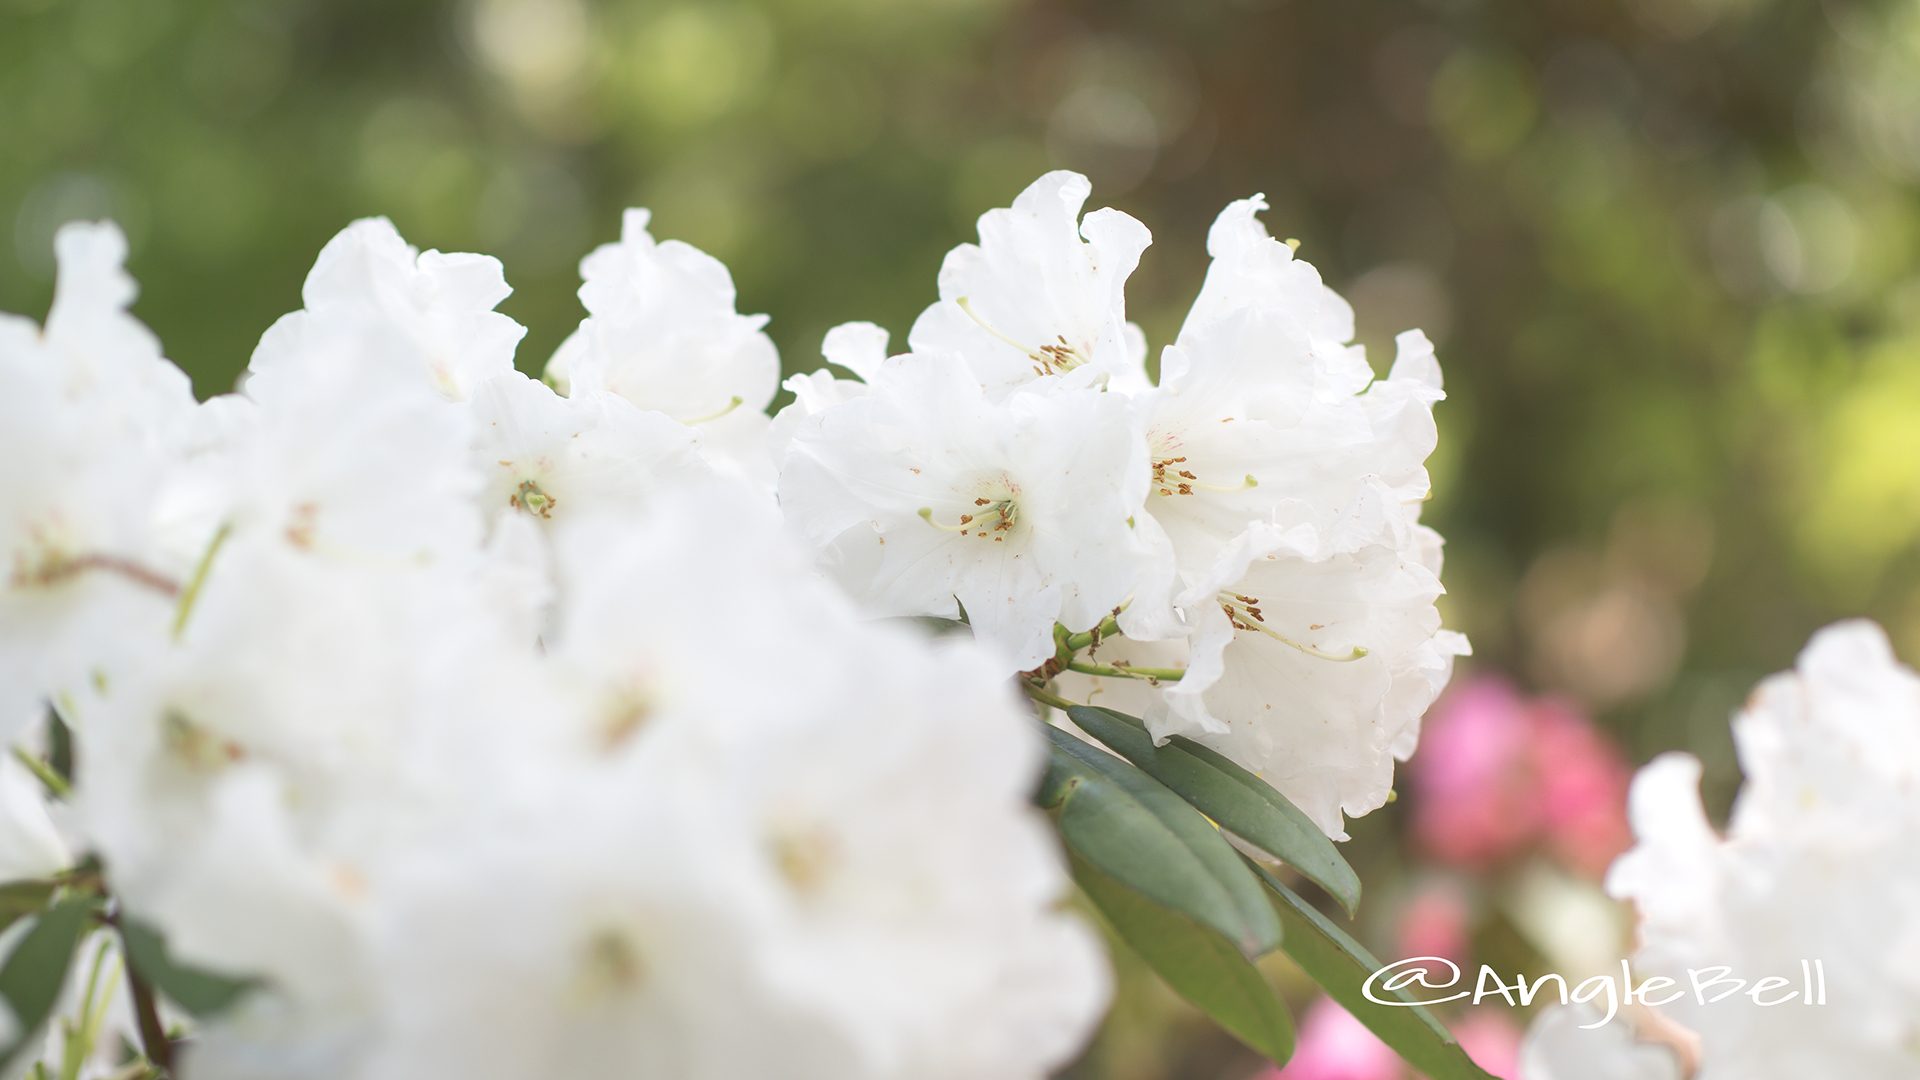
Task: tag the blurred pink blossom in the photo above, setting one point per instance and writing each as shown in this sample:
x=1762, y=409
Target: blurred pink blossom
x=1334, y=1046
x=1492, y=1040
x=1437, y=921
x=1499, y=775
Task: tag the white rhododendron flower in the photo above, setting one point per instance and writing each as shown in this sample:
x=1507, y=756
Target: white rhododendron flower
x=1256, y=524
x=1313, y=667
x=476, y=730
x=371, y=294
x=449, y=722
x=662, y=331
x=1817, y=864
x=552, y=458
x=1249, y=269
x=1287, y=483
x=925, y=496
x=1042, y=293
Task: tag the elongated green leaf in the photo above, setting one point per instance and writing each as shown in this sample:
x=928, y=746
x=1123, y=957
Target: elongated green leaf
x=1343, y=967
x=1197, y=963
x=1241, y=802
x=200, y=992
x=1147, y=838
x=35, y=972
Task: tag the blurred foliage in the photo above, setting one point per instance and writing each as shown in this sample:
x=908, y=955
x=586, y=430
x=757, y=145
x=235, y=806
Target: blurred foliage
x=1667, y=247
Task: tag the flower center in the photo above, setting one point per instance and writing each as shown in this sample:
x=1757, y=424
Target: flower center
x=626, y=714
x=805, y=857
x=1172, y=477
x=992, y=518
x=1054, y=358
x=200, y=749
x=1244, y=613
x=611, y=965
x=529, y=497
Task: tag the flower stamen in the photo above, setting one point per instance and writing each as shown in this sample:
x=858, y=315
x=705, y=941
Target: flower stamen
x=529, y=497
x=732, y=403
x=1053, y=358
x=1244, y=613
x=993, y=520
x=1170, y=480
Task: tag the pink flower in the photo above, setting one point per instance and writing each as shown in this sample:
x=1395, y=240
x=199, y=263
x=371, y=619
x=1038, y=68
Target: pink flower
x=1473, y=792
x=1436, y=921
x=1499, y=775
x=1492, y=1040
x=1583, y=789
x=1334, y=1046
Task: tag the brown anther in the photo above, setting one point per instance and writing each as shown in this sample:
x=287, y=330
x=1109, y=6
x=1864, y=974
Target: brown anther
x=301, y=526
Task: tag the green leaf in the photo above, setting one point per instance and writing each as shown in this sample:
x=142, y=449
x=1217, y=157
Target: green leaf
x=1200, y=965
x=1342, y=967
x=202, y=993
x=33, y=975
x=1241, y=802
x=19, y=899
x=1147, y=838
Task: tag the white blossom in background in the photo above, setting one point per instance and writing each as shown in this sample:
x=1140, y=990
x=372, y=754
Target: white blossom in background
x=89, y=409
x=1817, y=863
x=757, y=890
x=663, y=332
x=1256, y=518
x=1566, y=1042
x=305, y=461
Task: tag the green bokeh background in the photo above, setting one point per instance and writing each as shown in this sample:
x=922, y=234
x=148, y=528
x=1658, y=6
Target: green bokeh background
x=1666, y=247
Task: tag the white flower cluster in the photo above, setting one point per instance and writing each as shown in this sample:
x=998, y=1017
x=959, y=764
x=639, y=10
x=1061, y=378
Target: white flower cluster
x=1818, y=864
x=498, y=732
x=1253, y=517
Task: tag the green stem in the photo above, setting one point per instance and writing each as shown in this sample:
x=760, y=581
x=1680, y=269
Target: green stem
x=55, y=784
x=1047, y=697
x=1128, y=672
x=79, y=1042
x=199, y=579
x=1109, y=627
